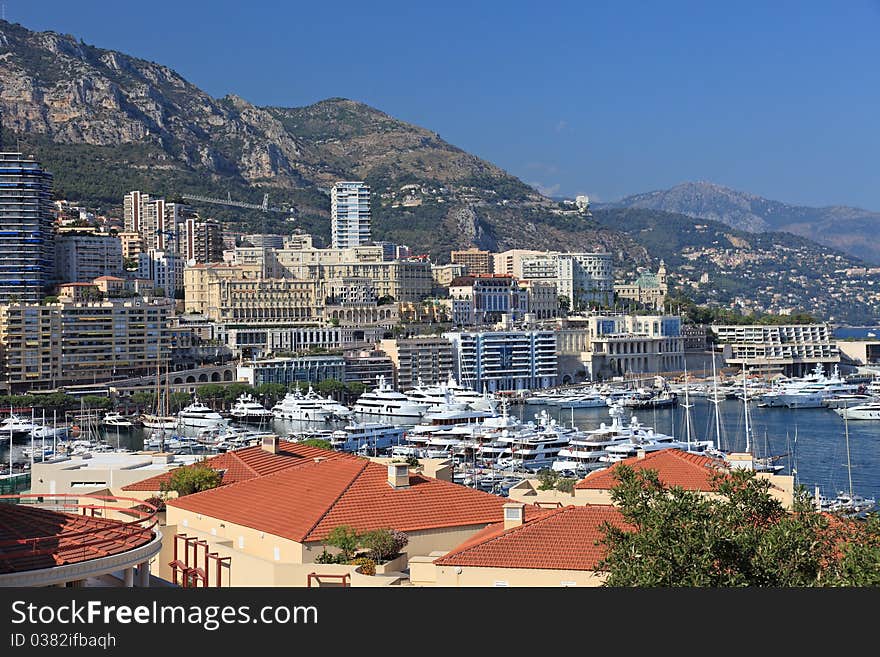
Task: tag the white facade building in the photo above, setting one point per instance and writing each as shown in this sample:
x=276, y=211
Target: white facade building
x=583, y=278
x=504, y=360
x=793, y=349
x=164, y=268
x=350, y=214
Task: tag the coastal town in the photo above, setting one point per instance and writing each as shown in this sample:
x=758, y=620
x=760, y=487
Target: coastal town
x=273, y=363
x=258, y=334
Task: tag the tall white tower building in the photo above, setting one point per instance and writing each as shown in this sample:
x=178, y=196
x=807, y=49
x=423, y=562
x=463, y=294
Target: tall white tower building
x=350, y=214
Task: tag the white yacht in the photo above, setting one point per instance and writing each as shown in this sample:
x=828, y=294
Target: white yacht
x=535, y=446
x=451, y=392
x=583, y=453
x=808, y=392
x=310, y=407
x=16, y=425
x=199, y=415
x=385, y=402
x=367, y=438
x=116, y=420
x=248, y=409
x=869, y=411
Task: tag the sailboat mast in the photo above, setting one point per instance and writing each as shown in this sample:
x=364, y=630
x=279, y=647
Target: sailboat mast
x=687, y=409
x=746, y=407
x=848, y=462
x=715, y=401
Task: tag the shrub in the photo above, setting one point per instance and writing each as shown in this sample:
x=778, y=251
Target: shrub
x=366, y=565
x=326, y=557
x=384, y=544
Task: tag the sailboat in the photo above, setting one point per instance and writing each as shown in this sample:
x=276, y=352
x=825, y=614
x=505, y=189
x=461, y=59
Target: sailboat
x=758, y=464
x=847, y=502
x=161, y=419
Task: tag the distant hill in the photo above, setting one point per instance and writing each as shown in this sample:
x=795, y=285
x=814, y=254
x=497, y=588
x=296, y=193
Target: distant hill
x=776, y=270
x=852, y=230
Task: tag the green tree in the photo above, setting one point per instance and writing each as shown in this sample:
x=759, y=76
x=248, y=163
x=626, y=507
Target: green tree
x=191, y=479
x=547, y=479
x=316, y=442
x=346, y=539
x=271, y=392
x=741, y=537
x=96, y=401
x=178, y=400
x=564, y=303
x=330, y=387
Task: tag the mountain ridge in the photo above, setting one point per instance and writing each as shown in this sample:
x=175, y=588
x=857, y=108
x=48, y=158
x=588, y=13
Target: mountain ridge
x=847, y=228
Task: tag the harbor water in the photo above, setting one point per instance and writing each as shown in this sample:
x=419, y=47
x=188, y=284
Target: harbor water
x=810, y=443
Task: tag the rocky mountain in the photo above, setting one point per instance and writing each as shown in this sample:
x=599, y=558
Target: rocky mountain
x=105, y=123
x=851, y=230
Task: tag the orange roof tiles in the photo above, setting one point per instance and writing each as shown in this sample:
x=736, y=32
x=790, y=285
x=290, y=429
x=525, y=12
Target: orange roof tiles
x=305, y=503
x=248, y=463
x=563, y=539
x=674, y=467
x=61, y=538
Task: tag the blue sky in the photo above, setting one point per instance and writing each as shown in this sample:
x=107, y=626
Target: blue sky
x=780, y=99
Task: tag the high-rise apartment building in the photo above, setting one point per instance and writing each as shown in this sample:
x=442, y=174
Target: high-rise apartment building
x=45, y=345
x=477, y=262
x=200, y=241
x=133, y=210
x=27, y=232
x=85, y=257
x=350, y=214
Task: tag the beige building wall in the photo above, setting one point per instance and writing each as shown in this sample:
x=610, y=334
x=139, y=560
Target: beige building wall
x=510, y=261
x=425, y=573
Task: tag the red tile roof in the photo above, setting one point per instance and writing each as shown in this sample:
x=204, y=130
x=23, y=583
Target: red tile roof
x=62, y=538
x=305, y=503
x=248, y=463
x=674, y=467
x=563, y=539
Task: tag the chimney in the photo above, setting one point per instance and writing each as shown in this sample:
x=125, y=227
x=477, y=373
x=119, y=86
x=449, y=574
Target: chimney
x=514, y=514
x=640, y=454
x=270, y=444
x=398, y=475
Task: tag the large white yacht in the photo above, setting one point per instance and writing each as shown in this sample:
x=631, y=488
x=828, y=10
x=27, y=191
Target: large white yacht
x=309, y=407
x=16, y=425
x=809, y=391
x=868, y=411
x=386, y=403
x=367, y=438
x=451, y=392
x=198, y=415
x=248, y=409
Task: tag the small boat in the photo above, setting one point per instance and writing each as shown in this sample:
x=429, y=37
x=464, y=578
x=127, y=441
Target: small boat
x=159, y=421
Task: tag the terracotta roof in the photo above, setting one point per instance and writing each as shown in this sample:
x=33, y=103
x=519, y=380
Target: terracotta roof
x=563, y=539
x=674, y=467
x=109, y=278
x=248, y=463
x=305, y=503
x=66, y=538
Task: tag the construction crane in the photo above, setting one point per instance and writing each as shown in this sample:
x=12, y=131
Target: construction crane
x=264, y=207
